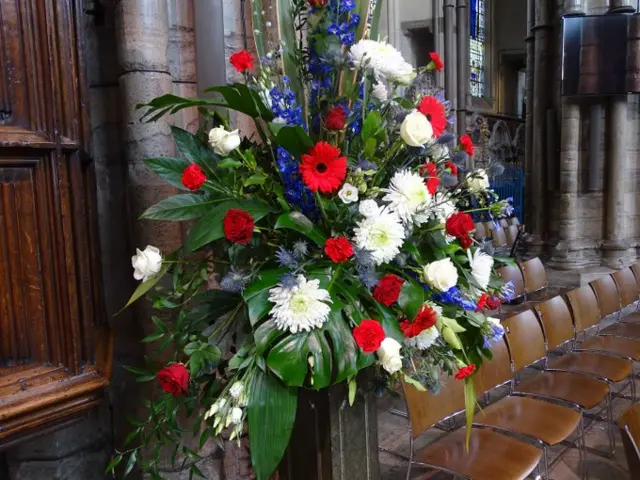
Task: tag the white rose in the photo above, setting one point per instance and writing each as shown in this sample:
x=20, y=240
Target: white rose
x=236, y=416
x=478, y=180
x=146, y=263
x=223, y=142
x=441, y=274
x=379, y=92
x=348, y=193
x=389, y=355
x=416, y=130
x=368, y=208
x=236, y=390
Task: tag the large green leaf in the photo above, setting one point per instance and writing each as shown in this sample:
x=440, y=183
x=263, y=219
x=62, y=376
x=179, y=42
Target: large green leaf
x=292, y=138
x=257, y=7
x=170, y=104
x=180, y=207
x=256, y=295
x=241, y=98
x=411, y=298
x=210, y=227
x=212, y=305
x=194, y=150
x=300, y=223
x=169, y=169
x=389, y=322
x=271, y=413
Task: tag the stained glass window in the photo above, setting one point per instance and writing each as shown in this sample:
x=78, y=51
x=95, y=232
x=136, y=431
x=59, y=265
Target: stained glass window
x=477, y=48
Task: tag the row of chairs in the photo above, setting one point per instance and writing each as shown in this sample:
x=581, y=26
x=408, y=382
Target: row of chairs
x=501, y=237
x=511, y=436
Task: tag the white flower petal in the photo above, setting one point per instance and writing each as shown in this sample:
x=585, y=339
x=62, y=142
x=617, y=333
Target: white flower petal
x=301, y=308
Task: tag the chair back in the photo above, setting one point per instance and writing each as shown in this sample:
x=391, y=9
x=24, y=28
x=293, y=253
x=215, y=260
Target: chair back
x=503, y=223
x=513, y=274
x=481, y=232
x=625, y=280
x=496, y=371
x=514, y=221
x=635, y=268
x=426, y=409
x=584, y=308
x=630, y=429
x=524, y=338
x=499, y=237
x=512, y=234
x=557, y=324
x=607, y=294
x=535, y=276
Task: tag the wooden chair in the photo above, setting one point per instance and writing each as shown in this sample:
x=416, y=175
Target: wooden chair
x=504, y=223
x=535, y=276
x=481, y=232
x=630, y=429
x=635, y=269
x=610, y=303
x=513, y=274
x=547, y=424
x=491, y=455
x=629, y=291
x=512, y=234
x=499, y=237
x=526, y=345
x=585, y=313
x=514, y=221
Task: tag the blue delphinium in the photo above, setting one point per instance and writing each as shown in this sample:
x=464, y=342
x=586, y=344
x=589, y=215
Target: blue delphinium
x=296, y=192
x=507, y=292
x=492, y=332
x=455, y=297
x=285, y=106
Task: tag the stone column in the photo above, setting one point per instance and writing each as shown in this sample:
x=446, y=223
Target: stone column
x=537, y=176
x=622, y=6
x=438, y=34
x=450, y=73
x=528, y=151
x=462, y=37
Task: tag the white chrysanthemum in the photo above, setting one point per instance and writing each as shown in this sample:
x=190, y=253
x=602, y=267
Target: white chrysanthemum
x=442, y=207
x=425, y=339
x=381, y=234
x=301, y=307
x=481, y=265
x=382, y=58
x=408, y=196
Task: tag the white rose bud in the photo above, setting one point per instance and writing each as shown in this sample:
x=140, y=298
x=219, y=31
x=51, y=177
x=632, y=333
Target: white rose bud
x=146, y=263
x=236, y=390
x=223, y=142
x=368, y=208
x=236, y=416
x=416, y=130
x=389, y=355
x=441, y=274
x=348, y=193
x=379, y=92
x=478, y=180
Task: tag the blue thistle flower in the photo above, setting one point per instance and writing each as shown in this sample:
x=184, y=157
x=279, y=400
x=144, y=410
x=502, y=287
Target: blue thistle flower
x=446, y=138
x=300, y=248
x=363, y=259
x=234, y=281
x=288, y=281
x=368, y=277
x=286, y=258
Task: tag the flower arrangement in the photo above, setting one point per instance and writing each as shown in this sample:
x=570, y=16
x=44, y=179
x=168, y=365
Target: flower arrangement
x=339, y=238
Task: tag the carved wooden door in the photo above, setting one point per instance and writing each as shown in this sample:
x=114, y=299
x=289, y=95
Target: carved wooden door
x=54, y=354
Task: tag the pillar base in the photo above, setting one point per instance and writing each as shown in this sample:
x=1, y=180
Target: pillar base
x=617, y=253
x=332, y=440
x=622, y=9
x=575, y=254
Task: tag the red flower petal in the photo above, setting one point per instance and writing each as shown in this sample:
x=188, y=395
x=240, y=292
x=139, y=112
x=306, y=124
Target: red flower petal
x=369, y=335
x=338, y=249
x=242, y=61
x=431, y=108
x=323, y=168
x=387, y=290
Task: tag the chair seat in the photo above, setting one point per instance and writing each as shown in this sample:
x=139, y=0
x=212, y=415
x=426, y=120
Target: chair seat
x=627, y=330
x=631, y=318
x=612, y=368
x=626, y=347
x=542, y=420
x=576, y=389
x=491, y=456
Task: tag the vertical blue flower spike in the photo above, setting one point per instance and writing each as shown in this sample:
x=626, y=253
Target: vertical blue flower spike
x=296, y=192
x=455, y=297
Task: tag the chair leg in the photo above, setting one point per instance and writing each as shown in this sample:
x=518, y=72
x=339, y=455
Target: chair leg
x=546, y=463
x=410, y=453
x=581, y=449
x=612, y=444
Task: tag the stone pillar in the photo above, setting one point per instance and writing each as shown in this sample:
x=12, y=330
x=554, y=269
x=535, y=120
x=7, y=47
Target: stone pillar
x=462, y=37
x=528, y=151
x=450, y=73
x=622, y=6
x=438, y=34
x=616, y=245
x=537, y=175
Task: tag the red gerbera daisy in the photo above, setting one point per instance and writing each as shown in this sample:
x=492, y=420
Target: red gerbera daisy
x=430, y=172
x=323, y=168
x=438, y=64
x=431, y=108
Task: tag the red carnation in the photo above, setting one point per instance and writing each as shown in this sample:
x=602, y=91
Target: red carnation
x=438, y=64
x=369, y=335
x=318, y=3
x=238, y=226
x=425, y=319
x=459, y=224
x=174, y=379
x=431, y=108
x=493, y=303
x=193, y=177
x=466, y=144
x=482, y=302
x=430, y=172
x=465, y=372
x=453, y=168
x=338, y=249
x=387, y=290
x=323, y=168
x=242, y=61
x=335, y=118
x=465, y=241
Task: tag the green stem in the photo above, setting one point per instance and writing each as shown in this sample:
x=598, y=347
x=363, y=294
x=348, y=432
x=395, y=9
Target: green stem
x=322, y=210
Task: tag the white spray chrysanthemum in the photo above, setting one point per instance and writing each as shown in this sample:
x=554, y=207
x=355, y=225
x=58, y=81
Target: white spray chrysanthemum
x=300, y=307
x=408, y=196
x=481, y=265
x=424, y=339
x=381, y=58
x=381, y=234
